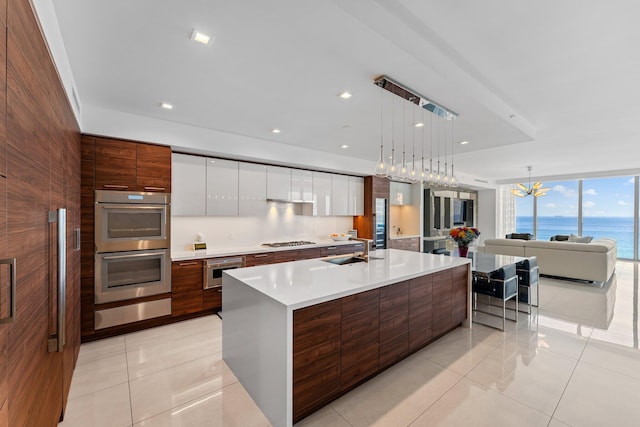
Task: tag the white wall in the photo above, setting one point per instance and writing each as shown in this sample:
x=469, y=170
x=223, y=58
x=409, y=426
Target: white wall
x=279, y=223
x=487, y=215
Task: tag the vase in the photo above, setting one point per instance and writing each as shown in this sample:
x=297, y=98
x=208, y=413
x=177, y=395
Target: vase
x=463, y=250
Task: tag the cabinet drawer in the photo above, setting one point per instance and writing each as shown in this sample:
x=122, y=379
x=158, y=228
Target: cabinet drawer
x=259, y=259
x=364, y=301
x=211, y=298
x=394, y=350
x=316, y=324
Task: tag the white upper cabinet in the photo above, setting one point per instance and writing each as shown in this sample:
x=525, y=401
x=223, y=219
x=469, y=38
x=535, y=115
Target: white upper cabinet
x=252, y=189
x=322, y=194
x=188, y=183
x=278, y=183
x=340, y=195
x=301, y=185
x=222, y=187
x=356, y=195
x=400, y=193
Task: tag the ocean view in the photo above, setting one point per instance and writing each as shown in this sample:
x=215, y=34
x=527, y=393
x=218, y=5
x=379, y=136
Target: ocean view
x=618, y=228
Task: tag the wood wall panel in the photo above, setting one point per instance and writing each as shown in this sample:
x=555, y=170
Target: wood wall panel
x=87, y=245
x=43, y=143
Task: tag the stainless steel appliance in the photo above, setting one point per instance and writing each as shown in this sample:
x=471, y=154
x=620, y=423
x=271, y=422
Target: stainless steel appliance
x=132, y=260
x=213, y=269
x=129, y=221
x=381, y=224
x=285, y=244
x=126, y=275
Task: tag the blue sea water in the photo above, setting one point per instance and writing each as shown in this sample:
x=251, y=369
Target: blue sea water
x=618, y=228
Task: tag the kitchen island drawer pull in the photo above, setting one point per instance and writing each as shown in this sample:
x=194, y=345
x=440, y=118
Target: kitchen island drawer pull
x=261, y=255
x=150, y=188
x=332, y=247
x=11, y=262
x=184, y=264
x=116, y=187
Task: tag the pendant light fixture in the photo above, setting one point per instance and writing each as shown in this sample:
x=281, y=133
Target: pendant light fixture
x=402, y=171
x=392, y=165
x=413, y=173
x=536, y=190
x=381, y=168
x=453, y=180
x=423, y=173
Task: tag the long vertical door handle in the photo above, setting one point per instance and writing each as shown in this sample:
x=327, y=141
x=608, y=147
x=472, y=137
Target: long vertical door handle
x=57, y=343
x=11, y=262
x=62, y=278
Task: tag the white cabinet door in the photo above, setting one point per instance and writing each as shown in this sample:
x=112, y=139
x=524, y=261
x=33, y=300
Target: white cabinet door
x=278, y=183
x=301, y=185
x=400, y=193
x=321, y=194
x=252, y=189
x=356, y=195
x=222, y=187
x=188, y=183
x=340, y=195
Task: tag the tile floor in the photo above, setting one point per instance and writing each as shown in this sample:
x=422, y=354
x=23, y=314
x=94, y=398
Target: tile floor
x=573, y=362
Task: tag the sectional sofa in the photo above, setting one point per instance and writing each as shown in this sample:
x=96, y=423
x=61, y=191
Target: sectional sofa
x=593, y=261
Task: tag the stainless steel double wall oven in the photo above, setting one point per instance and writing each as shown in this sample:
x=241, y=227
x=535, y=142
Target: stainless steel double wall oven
x=132, y=239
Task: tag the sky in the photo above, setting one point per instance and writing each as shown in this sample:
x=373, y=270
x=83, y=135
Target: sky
x=602, y=197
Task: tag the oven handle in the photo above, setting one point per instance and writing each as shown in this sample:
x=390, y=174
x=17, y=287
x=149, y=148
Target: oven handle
x=132, y=256
x=131, y=206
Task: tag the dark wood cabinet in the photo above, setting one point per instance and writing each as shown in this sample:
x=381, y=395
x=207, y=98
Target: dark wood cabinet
x=459, y=292
x=316, y=356
x=5, y=290
x=115, y=163
x=441, y=302
x=260, y=259
x=360, y=337
x=420, y=312
x=394, y=323
x=3, y=90
x=128, y=165
x=153, y=168
x=374, y=188
x=186, y=287
x=340, y=343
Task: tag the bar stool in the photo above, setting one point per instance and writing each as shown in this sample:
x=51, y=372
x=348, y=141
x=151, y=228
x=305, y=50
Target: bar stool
x=501, y=284
x=528, y=277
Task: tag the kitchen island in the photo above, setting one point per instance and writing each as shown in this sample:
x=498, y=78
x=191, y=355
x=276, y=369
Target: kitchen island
x=299, y=334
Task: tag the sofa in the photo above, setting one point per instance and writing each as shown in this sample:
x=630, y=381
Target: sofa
x=594, y=261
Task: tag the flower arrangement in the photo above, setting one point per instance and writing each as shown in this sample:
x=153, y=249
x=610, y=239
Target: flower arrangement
x=464, y=235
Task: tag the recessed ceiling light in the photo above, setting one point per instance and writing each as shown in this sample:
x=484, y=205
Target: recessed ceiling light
x=419, y=125
x=344, y=146
x=275, y=130
x=166, y=106
x=345, y=95
x=200, y=37
x=464, y=142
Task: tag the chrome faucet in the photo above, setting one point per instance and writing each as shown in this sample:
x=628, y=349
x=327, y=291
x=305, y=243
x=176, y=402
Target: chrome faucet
x=364, y=255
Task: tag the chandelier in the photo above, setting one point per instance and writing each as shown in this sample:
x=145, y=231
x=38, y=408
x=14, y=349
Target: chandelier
x=444, y=178
x=535, y=190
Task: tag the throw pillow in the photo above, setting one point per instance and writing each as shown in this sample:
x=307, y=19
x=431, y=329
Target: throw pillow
x=580, y=239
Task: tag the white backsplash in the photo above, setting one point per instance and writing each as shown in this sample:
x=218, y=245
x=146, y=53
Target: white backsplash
x=278, y=224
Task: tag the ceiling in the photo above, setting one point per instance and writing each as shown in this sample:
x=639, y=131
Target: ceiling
x=548, y=84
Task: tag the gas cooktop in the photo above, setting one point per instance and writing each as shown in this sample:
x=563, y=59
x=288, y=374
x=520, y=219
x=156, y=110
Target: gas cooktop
x=293, y=243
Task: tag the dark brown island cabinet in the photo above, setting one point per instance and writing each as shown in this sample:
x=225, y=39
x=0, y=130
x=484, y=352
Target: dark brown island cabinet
x=339, y=344
x=39, y=209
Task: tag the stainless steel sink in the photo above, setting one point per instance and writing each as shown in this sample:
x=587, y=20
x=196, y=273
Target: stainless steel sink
x=343, y=260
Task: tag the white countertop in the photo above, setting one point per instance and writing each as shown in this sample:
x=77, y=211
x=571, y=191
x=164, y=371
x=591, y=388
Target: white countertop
x=303, y=283
x=404, y=236
x=250, y=249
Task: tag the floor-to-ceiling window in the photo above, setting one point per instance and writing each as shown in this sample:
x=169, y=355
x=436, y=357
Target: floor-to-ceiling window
x=607, y=211
x=597, y=207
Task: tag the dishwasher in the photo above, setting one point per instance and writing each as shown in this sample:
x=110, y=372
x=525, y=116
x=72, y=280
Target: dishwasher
x=212, y=271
